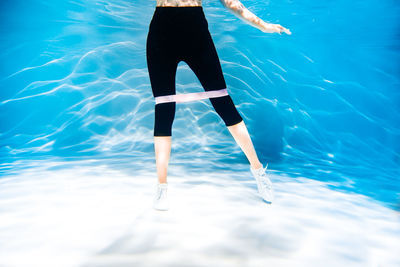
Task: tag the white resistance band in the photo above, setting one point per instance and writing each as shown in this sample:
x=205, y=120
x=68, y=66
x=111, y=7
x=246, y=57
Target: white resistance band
x=190, y=96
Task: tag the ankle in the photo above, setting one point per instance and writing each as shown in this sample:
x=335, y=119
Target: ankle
x=163, y=184
x=256, y=166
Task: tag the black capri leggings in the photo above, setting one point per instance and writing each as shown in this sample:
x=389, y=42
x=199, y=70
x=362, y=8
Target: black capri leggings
x=181, y=34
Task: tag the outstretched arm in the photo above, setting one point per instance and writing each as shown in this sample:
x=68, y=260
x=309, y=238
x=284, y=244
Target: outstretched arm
x=243, y=13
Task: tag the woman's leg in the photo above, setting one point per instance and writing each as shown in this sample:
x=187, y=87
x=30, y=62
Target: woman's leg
x=207, y=67
x=242, y=138
x=162, y=62
x=162, y=146
x=164, y=118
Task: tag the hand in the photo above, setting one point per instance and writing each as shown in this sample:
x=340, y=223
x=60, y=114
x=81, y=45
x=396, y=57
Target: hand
x=270, y=28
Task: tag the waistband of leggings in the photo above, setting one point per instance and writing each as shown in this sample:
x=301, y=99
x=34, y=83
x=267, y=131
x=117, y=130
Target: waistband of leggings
x=175, y=8
x=179, y=10
x=171, y=18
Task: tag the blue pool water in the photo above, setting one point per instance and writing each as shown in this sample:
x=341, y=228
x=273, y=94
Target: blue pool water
x=323, y=103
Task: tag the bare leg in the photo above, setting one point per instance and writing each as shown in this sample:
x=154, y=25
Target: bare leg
x=162, y=146
x=242, y=138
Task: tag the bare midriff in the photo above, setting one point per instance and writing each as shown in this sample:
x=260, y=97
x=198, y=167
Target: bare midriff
x=178, y=3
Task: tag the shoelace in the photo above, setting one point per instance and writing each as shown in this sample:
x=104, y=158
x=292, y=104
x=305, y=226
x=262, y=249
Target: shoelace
x=161, y=193
x=264, y=177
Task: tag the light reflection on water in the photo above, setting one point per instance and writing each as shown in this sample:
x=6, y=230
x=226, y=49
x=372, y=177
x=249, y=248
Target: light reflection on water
x=74, y=83
x=76, y=144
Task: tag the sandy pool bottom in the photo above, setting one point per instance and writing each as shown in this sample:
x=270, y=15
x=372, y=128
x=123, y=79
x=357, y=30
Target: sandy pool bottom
x=98, y=216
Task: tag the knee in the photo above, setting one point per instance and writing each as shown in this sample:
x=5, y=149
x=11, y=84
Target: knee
x=226, y=109
x=163, y=119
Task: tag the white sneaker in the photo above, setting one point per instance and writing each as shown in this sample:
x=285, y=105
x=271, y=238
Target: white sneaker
x=263, y=183
x=161, y=199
